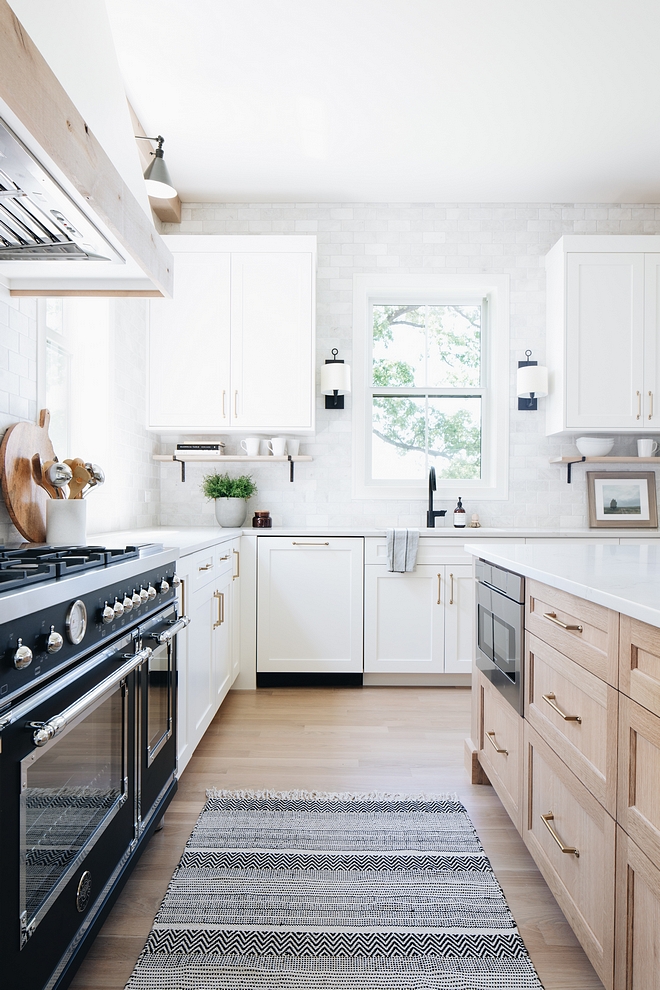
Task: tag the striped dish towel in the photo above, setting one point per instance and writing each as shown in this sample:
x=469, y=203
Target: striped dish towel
x=402, y=549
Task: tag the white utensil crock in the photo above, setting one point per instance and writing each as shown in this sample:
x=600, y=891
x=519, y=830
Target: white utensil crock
x=66, y=521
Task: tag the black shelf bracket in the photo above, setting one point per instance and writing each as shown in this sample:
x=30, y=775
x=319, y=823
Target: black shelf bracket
x=183, y=466
x=570, y=464
x=291, y=468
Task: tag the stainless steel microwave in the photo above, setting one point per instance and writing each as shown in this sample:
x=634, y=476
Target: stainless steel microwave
x=501, y=629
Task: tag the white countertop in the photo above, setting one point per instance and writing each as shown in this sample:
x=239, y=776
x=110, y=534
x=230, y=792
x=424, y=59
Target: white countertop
x=187, y=539
x=623, y=578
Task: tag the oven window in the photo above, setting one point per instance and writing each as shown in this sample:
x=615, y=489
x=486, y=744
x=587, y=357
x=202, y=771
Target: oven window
x=70, y=791
x=159, y=700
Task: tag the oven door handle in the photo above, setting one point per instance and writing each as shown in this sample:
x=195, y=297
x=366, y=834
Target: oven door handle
x=45, y=731
x=168, y=635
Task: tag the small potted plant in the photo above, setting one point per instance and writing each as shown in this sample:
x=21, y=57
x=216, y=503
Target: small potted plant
x=230, y=496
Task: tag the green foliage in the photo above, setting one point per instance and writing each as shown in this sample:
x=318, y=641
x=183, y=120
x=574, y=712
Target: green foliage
x=224, y=486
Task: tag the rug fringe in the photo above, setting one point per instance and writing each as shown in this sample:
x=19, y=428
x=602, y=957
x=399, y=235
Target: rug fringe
x=214, y=793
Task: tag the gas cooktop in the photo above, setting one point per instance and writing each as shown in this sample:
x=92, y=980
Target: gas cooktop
x=26, y=565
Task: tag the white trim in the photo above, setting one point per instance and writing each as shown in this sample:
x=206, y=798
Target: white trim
x=370, y=289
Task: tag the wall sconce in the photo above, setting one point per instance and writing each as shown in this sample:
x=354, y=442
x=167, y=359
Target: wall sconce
x=335, y=378
x=531, y=384
x=156, y=176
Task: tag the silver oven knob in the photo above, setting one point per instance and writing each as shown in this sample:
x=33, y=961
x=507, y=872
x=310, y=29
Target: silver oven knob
x=108, y=613
x=118, y=608
x=136, y=599
x=22, y=656
x=127, y=603
x=144, y=595
x=164, y=586
x=151, y=591
x=54, y=641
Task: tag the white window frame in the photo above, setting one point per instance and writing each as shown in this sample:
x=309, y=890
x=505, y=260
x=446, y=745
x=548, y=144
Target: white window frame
x=370, y=290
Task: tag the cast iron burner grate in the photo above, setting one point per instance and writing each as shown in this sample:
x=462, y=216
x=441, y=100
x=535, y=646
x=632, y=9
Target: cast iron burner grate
x=65, y=560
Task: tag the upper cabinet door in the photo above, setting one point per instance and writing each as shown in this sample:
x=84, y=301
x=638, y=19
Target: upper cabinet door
x=272, y=341
x=651, y=404
x=605, y=341
x=189, y=347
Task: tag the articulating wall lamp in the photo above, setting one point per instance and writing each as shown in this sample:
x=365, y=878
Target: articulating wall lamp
x=335, y=379
x=532, y=383
x=156, y=176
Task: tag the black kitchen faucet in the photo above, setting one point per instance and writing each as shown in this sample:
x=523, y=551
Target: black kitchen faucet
x=432, y=513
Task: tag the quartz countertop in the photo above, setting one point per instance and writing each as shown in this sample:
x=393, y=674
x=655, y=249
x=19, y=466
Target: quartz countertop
x=624, y=578
x=187, y=539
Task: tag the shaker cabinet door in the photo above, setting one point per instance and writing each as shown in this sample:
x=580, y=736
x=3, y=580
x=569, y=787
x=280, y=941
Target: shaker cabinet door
x=651, y=404
x=459, y=619
x=605, y=341
x=272, y=347
x=189, y=347
x=405, y=620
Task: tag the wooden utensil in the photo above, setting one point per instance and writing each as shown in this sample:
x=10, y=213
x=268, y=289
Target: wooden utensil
x=81, y=477
x=24, y=498
x=59, y=475
x=48, y=475
x=38, y=476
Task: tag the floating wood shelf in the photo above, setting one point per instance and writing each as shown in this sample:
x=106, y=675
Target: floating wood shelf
x=184, y=457
x=569, y=461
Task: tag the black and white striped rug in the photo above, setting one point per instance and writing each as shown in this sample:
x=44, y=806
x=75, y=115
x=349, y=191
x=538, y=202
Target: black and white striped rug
x=312, y=891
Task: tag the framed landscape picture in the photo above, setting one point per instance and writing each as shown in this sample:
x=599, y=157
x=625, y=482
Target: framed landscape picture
x=622, y=501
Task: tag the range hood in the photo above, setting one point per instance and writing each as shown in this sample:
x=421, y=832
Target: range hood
x=38, y=221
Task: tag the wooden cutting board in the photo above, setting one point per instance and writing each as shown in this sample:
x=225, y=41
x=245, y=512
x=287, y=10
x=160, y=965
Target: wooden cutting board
x=25, y=500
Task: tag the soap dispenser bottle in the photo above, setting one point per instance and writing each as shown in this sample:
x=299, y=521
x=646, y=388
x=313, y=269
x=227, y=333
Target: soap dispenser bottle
x=459, y=515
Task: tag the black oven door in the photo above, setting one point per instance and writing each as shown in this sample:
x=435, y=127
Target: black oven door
x=67, y=824
x=157, y=724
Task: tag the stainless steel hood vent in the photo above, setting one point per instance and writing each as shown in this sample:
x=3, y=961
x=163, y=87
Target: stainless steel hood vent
x=38, y=220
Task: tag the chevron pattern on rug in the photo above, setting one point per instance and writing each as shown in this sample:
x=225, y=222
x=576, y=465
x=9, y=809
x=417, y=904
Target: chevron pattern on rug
x=309, y=891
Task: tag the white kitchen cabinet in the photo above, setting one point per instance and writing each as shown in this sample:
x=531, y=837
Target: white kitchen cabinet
x=420, y=622
x=309, y=605
x=603, y=319
x=234, y=350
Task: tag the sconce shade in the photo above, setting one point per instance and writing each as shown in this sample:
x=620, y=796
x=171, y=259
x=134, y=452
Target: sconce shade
x=157, y=178
x=532, y=378
x=335, y=377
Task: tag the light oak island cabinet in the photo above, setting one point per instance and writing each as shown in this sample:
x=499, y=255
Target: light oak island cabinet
x=234, y=349
x=584, y=785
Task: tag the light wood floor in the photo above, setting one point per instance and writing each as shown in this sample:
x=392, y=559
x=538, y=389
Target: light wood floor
x=387, y=739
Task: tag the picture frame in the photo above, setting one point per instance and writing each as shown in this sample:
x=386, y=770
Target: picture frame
x=622, y=500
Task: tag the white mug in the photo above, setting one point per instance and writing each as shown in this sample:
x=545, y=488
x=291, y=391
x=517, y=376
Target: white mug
x=646, y=448
x=293, y=447
x=251, y=446
x=277, y=446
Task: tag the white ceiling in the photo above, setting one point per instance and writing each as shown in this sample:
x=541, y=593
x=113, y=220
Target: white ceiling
x=398, y=100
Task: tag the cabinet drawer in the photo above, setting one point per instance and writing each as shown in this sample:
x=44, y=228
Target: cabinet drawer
x=500, y=748
x=637, y=917
x=224, y=559
x=582, y=876
x=581, y=630
x=639, y=663
x=429, y=551
x=576, y=713
x=639, y=776
x=202, y=567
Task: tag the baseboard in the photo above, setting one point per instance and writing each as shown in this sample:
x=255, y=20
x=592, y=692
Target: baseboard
x=272, y=679
x=417, y=680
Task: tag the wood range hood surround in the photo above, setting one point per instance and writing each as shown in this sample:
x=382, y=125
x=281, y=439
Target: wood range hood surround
x=35, y=105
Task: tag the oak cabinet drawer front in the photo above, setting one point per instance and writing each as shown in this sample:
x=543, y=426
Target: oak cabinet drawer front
x=500, y=748
x=587, y=633
x=639, y=670
x=582, y=884
x=637, y=918
x=639, y=776
x=576, y=713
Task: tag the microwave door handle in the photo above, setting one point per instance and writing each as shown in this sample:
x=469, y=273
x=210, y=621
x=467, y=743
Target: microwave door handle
x=168, y=635
x=45, y=731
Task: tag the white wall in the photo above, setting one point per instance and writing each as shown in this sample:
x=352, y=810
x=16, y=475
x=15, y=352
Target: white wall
x=411, y=238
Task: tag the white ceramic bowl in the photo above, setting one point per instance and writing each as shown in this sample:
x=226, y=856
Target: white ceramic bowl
x=594, y=446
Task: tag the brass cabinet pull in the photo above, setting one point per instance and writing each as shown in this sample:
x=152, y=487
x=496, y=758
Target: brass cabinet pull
x=439, y=580
x=221, y=608
x=552, y=616
x=550, y=698
x=183, y=595
x=294, y=544
x=570, y=850
x=206, y=567
x=236, y=404
x=491, y=738
x=226, y=557
x=639, y=405
x=650, y=405
x=224, y=414
x=451, y=589
x=238, y=565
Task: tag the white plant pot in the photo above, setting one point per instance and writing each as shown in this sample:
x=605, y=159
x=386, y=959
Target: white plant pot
x=230, y=512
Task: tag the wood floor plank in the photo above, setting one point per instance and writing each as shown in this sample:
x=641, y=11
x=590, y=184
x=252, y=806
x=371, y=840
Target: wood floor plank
x=388, y=739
